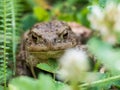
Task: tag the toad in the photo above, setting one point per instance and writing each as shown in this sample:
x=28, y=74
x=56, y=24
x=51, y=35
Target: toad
x=44, y=41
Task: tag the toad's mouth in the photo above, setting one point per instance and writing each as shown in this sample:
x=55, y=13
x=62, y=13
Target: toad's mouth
x=58, y=46
x=43, y=55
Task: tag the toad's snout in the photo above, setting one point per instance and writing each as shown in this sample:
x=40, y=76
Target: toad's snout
x=50, y=41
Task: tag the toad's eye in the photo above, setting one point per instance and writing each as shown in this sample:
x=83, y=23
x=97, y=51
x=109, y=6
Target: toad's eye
x=34, y=37
x=37, y=39
x=64, y=35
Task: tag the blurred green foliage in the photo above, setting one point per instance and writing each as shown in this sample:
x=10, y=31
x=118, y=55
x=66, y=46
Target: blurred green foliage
x=28, y=21
x=106, y=54
x=45, y=10
x=1, y=87
x=44, y=82
x=41, y=14
x=67, y=10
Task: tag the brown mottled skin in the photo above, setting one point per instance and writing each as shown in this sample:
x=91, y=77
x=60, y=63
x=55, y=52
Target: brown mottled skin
x=43, y=41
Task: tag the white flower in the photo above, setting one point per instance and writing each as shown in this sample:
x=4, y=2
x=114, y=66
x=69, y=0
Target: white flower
x=97, y=12
x=106, y=21
x=95, y=17
x=74, y=63
x=111, y=39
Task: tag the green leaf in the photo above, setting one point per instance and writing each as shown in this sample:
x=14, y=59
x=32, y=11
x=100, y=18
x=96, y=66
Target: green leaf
x=28, y=21
x=61, y=86
x=23, y=83
x=82, y=16
x=41, y=14
x=44, y=82
x=51, y=66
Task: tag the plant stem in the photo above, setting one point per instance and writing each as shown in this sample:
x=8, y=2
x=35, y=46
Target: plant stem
x=101, y=81
x=4, y=18
x=13, y=35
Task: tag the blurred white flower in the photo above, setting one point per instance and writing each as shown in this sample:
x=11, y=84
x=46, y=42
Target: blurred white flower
x=73, y=65
x=111, y=39
x=106, y=21
x=95, y=17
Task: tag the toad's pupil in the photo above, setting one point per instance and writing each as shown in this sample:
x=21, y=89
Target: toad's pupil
x=34, y=38
x=65, y=36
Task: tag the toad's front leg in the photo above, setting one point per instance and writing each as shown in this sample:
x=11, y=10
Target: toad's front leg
x=31, y=63
x=21, y=66
x=22, y=69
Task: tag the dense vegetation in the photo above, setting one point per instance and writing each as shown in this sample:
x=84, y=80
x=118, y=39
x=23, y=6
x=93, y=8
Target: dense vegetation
x=100, y=16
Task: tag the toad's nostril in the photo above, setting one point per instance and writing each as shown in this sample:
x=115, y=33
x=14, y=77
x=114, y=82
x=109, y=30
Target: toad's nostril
x=46, y=42
x=50, y=43
x=55, y=40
